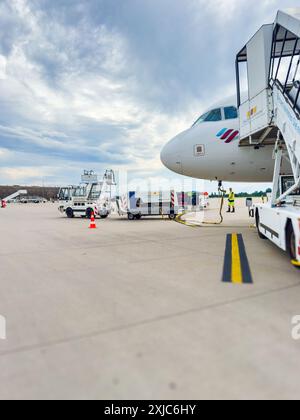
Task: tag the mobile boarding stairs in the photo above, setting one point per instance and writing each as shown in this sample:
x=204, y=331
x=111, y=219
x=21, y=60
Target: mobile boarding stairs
x=90, y=197
x=271, y=114
x=15, y=195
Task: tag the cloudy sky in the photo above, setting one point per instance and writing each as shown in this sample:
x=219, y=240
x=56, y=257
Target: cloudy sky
x=105, y=83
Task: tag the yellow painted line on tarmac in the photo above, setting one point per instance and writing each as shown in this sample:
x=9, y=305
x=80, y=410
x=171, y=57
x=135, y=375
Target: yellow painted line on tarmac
x=295, y=263
x=236, y=268
x=236, y=264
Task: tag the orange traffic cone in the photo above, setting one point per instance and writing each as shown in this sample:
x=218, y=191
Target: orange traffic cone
x=93, y=222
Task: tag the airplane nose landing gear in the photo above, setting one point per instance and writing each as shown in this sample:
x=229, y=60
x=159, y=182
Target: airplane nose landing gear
x=220, y=187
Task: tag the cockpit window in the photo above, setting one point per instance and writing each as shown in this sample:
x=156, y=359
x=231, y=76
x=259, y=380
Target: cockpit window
x=230, y=113
x=211, y=116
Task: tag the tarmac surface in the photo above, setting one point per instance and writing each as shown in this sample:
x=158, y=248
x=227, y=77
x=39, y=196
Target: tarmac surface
x=138, y=310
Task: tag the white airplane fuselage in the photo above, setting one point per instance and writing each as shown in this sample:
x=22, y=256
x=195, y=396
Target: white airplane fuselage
x=211, y=151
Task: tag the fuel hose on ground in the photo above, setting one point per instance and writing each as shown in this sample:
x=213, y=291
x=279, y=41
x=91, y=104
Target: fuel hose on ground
x=183, y=222
x=223, y=193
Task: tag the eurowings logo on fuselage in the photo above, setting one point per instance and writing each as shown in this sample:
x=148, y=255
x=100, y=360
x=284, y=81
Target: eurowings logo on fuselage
x=228, y=135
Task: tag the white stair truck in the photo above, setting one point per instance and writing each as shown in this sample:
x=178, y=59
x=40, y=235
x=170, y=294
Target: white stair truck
x=140, y=204
x=65, y=194
x=91, y=196
x=271, y=116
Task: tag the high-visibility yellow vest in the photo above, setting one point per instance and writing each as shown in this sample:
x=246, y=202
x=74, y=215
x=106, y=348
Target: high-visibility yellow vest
x=231, y=198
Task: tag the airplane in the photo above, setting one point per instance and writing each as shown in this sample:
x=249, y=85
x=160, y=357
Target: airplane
x=210, y=150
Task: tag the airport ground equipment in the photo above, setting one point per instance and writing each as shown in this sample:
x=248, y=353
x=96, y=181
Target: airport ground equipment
x=65, y=194
x=193, y=199
x=15, y=195
x=271, y=115
x=141, y=204
x=90, y=197
x=32, y=200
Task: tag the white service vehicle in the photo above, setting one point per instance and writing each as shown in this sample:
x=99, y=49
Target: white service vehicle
x=272, y=113
x=65, y=194
x=140, y=204
x=90, y=197
x=32, y=200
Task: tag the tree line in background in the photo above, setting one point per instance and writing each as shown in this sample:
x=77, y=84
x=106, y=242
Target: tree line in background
x=50, y=193
x=245, y=194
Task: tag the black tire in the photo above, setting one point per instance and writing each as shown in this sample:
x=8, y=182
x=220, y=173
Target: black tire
x=172, y=216
x=291, y=242
x=257, y=218
x=89, y=212
x=131, y=216
x=105, y=216
x=70, y=213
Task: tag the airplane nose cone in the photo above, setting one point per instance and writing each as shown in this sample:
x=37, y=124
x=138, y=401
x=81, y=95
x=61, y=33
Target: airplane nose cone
x=164, y=156
x=171, y=157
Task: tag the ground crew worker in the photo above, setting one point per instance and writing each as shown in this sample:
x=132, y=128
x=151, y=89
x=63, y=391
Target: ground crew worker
x=231, y=201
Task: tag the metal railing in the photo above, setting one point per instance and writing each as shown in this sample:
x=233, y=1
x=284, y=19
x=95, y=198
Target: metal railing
x=293, y=102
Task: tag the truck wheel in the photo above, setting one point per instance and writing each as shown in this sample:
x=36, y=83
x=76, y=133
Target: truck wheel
x=89, y=213
x=105, y=216
x=172, y=216
x=69, y=213
x=291, y=242
x=257, y=226
x=131, y=216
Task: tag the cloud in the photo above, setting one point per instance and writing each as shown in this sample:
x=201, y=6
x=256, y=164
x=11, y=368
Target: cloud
x=61, y=97
x=2, y=67
x=19, y=174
